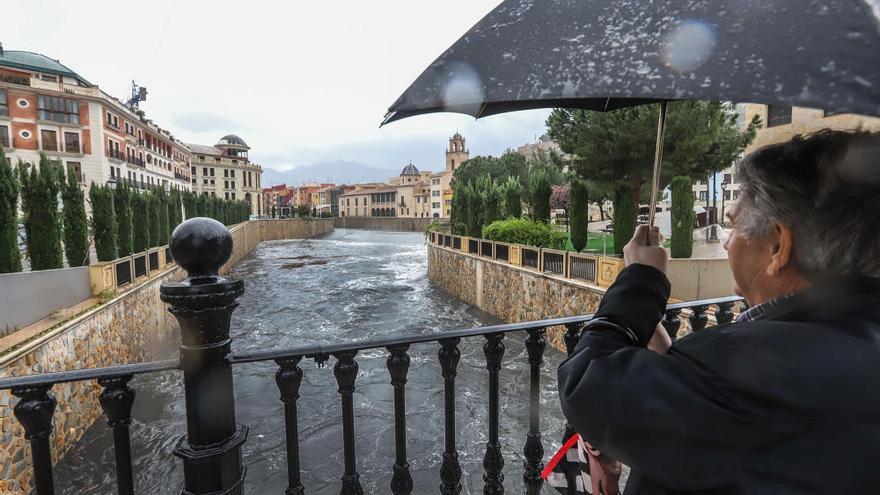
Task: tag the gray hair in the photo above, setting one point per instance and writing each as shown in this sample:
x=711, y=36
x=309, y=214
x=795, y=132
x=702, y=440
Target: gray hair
x=826, y=188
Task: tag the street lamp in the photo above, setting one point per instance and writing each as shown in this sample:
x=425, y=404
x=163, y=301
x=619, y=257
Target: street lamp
x=112, y=184
x=713, y=232
x=724, y=185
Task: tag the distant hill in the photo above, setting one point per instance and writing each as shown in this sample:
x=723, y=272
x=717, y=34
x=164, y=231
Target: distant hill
x=338, y=172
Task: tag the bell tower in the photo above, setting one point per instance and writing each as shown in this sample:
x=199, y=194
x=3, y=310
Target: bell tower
x=456, y=153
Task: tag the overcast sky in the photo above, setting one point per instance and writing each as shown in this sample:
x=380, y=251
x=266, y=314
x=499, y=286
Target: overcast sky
x=301, y=81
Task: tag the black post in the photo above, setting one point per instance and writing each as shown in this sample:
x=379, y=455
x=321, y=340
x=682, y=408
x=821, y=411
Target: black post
x=346, y=370
x=571, y=338
x=533, y=450
x=671, y=322
x=34, y=412
x=698, y=318
x=450, y=470
x=493, y=460
x=116, y=401
x=724, y=313
x=398, y=365
x=288, y=377
x=203, y=303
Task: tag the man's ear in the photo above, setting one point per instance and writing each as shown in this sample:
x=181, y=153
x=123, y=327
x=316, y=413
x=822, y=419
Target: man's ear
x=781, y=249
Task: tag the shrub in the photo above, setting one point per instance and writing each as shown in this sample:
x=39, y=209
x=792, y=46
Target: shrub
x=10, y=256
x=103, y=222
x=525, y=231
x=76, y=227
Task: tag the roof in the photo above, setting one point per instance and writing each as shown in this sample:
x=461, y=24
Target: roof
x=203, y=150
x=37, y=62
x=231, y=139
x=410, y=170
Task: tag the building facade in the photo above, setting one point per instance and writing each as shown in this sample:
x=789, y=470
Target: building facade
x=45, y=107
x=224, y=170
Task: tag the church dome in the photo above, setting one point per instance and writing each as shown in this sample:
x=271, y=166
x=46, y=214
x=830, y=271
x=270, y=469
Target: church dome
x=231, y=139
x=410, y=170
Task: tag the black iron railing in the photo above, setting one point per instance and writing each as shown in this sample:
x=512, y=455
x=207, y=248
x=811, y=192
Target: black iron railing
x=211, y=448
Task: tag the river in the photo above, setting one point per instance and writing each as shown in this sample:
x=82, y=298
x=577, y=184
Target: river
x=349, y=285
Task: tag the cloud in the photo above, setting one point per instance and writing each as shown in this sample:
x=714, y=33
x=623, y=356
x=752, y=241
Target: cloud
x=207, y=122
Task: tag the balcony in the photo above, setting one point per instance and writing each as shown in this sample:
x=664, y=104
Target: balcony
x=116, y=156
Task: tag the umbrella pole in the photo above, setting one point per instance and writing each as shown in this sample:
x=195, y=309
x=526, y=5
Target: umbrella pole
x=658, y=158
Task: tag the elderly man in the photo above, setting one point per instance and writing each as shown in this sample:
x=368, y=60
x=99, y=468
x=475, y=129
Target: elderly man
x=787, y=398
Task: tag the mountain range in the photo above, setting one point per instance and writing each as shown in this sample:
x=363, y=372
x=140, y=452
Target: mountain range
x=337, y=172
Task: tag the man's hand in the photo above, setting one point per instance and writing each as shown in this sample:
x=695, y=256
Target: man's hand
x=640, y=250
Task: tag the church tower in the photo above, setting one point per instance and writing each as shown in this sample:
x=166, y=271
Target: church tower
x=456, y=153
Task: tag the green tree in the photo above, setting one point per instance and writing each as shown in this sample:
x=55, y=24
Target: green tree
x=490, y=200
x=202, y=205
x=76, y=226
x=10, y=256
x=155, y=220
x=190, y=204
x=164, y=216
x=140, y=222
x=682, y=214
x=122, y=207
x=512, y=198
x=624, y=221
x=39, y=199
x=578, y=214
x=540, y=190
x=103, y=222
x=474, y=210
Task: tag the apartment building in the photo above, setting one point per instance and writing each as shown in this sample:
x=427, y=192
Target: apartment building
x=45, y=107
x=224, y=170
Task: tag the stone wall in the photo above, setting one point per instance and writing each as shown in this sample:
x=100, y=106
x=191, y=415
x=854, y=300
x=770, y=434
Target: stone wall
x=509, y=292
x=134, y=326
x=388, y=224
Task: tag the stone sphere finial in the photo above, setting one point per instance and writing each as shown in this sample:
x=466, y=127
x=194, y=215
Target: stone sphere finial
x=200, y=246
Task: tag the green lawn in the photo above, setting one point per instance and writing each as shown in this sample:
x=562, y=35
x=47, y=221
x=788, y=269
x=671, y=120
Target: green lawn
x=594, y=243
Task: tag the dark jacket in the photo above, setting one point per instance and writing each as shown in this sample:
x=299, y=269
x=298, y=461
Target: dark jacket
x=789, y=403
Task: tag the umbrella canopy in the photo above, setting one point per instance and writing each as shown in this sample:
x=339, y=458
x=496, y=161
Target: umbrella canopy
x=608, y=54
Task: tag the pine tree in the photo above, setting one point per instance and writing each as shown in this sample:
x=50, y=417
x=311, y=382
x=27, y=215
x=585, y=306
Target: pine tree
x=76, y=227
x=140, y=222
x=39, y=197
x=10, y=256
x=579, y=214
x=512, y=198
x=124, y=232
x=540, y=188
x=682, y=214
x=103, y=222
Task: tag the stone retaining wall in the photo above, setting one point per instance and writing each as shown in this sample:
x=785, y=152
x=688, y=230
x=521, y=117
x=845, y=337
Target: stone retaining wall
x=509, y=292
x=388, y=224
x=134, y=326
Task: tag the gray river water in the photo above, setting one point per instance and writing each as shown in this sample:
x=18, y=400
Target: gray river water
x=350, y=285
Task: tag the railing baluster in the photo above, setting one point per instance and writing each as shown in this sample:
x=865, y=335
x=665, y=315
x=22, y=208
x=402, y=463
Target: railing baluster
x=288, y=377
x=571, y=338
x=671, y=322
x=398, y=366
x=724, y=313
x=533, y=450
x=698, y=318
x=346, y=370
x=34, y=412
x=116, y=401
x=493, y=460
x=450, y=470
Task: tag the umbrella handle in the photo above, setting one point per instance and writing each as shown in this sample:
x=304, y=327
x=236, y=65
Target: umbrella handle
x=658, y=158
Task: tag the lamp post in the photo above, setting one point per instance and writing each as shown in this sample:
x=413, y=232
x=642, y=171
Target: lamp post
x=724, y=185
x=111, y=183
x=713, y=231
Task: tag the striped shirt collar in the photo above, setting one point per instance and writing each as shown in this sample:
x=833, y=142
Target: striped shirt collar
x=758, y=312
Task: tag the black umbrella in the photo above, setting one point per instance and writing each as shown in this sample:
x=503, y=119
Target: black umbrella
x=608, y=54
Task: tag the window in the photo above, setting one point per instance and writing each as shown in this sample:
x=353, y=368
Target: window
x=727, y=178
x=702, y=195
x=4, y=136
x=47, y=77
x=735, y=194
x=226, y=195
x=217, y=159
x=435, y=193
x=205, y=181
x=71, y=142
x=58, y=109
x=112, y=120
x=726, y=195
x=75, y=168
x=435, y=205
x=212, y=172
x=49, y=140
x=4, y=104
x=777, y=115
x=201, y=158
x=191, y=169
x=225, y=172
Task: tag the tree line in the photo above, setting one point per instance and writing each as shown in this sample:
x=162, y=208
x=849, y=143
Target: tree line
x=123, y=221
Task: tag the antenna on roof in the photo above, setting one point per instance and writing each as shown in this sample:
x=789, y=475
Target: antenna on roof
x=138, y=94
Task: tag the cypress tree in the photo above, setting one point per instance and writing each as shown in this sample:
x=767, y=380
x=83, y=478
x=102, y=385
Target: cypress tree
x=202, y=205
x=190, y=204
x=39, y=197
x=624, y=217
x=162, y=203
x=153, y=212
x=682, y=243
x=539, y=184
x=140, y=222
x=513, y=198
x=122, y=207
x=10, y=256
x=579, y=214
x=76, y=227
x=103, y=222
